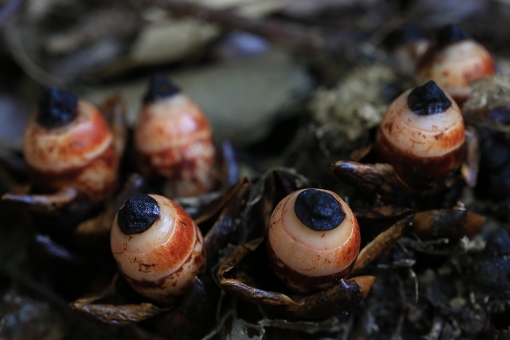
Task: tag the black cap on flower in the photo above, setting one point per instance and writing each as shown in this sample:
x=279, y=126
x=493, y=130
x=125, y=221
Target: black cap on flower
x=56, y=108
x=138, y=214
x=160, y=87
x=318, y=210
x=428, y=99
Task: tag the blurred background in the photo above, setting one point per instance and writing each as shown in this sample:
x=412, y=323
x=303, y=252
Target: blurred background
x=288, y=82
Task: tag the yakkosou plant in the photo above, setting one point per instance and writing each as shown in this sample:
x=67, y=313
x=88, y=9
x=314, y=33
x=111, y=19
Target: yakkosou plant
x=313, y=239
x=68, y=144
x=174, y=142
x=422, y=135
x=453, y=61
x=158, y=247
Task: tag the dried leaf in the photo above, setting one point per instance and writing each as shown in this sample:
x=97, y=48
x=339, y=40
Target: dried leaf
x=122, y=315
x=50, y=204
x=344, y=296
x=228, y=227
x=242, y=289
x=206, y=211
x=385, y=211
x=381, y=244
x=370, y=178
x=113, y=314
x=447, y=223
x=319, y=305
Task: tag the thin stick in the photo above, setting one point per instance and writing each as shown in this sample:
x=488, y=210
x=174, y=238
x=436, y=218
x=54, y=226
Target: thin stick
x=292, y=37
x=15, y=46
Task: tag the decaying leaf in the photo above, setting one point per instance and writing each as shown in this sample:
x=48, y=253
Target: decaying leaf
x=370, y=178
x=381, y=244
x=51, y=204
x=205, y=207
x=121, y=315
x=233, y=276
x=447, y=223
x=228, y=227
x=374, y=220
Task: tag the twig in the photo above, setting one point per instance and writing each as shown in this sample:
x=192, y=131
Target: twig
x=292, y=37
x=348, y=327
x=416, y=284
x=435, y=330
x=396, y=335
x=11, y=34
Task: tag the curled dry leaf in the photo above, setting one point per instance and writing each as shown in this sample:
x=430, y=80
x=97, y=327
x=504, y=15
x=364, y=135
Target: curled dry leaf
x=447, y=223
x=370, y=178
x=227, y=228
x=115, y=315
x=381, y=244
x=344, y=296
x=52, y=204
x=385, y=211
x=205, y=207
x=238, y=275
x=121, y=314
x=374, y=220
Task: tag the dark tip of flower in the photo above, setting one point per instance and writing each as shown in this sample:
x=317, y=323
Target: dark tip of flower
x=428, y=99
x=56, y=108
x=138, y=214
x=450, y=34
x=160, y=87
x=318, y=210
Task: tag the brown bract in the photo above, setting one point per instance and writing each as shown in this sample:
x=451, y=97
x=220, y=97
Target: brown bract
x=423, y=149
x=448, y=223
x=174, y=140
x=162, y=261
x=243, y=274
x=453, y=66
x=120, y=304
x=306, y=259
x=246, y=273
x=79, y=155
